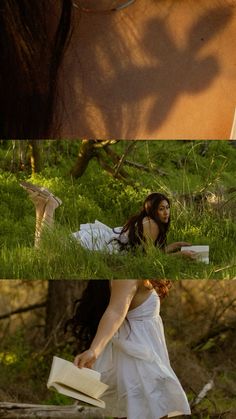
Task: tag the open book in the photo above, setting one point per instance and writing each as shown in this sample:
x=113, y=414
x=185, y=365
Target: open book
x=79, y=383
x=202, y=252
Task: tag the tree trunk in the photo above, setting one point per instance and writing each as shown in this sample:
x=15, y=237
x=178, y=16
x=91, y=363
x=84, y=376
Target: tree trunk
x=60, y=300
x=35, y=158
x=19, y=155
x=86, y=153
x=88, y=150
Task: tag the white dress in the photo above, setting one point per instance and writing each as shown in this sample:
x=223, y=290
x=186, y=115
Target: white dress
x=99, y=236
x=135, y=364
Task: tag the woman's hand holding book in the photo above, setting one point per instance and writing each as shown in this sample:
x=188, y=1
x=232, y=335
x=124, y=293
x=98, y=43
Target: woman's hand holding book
x=85, y=359
x=173, y=247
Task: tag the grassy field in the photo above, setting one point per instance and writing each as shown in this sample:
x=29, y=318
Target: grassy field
x=183, y=172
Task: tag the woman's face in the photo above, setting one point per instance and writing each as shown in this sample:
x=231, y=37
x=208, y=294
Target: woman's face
x=163, y=211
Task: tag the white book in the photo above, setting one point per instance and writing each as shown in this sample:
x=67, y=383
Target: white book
x=201, y=250
x=79, y=383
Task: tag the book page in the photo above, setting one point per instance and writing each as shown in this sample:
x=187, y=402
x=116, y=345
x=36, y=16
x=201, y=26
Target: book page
x=201, y=250
x=77, y=395
x=81, y=379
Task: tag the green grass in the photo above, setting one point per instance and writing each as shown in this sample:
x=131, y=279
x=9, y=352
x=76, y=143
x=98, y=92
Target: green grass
x=98, y=196
x=61, y=257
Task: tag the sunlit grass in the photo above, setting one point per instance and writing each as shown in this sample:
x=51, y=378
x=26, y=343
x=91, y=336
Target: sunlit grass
x=98, y=196
x=61, y=257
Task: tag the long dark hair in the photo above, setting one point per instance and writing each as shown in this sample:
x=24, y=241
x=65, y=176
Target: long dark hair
x=30, y=58
x=89, y=309
x=134, y=226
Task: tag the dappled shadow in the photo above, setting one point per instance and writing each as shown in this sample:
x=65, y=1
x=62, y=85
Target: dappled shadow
x=113, y=89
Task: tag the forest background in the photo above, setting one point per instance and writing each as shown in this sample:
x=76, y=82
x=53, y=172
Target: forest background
x=108, y=181
x=199, y=320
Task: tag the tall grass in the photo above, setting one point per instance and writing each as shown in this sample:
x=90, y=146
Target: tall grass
x=98, y=196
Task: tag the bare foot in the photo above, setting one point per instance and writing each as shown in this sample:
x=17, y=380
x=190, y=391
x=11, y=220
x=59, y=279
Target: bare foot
x=35, y=191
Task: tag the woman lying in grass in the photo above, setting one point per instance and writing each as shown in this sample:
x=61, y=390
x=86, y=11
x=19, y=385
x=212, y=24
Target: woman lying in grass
x=149, y=226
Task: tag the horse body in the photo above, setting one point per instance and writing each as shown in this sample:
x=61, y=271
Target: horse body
x=154, y=70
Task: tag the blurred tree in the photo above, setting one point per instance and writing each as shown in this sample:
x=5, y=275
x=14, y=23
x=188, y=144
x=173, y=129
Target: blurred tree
x=26, y=154
x=60, y=300
x=35, y=155
x=108, y=159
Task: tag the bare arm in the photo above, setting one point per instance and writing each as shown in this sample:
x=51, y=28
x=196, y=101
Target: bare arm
x=189, y=254
x=122, y=294
x=151, y=231
x=173, y=247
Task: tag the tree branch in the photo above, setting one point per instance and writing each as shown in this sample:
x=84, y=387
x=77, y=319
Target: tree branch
x=212, y=334
x=144, y=168
x=23, y=310
x=122, y=158
x=25, y=411
x=105, y=166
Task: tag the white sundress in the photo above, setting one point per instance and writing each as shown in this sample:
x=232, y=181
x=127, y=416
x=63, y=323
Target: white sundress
x=99, y=236
x=135, y=364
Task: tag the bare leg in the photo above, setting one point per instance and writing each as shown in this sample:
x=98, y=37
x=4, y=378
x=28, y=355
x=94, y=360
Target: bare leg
x=45, y=204
x=40, y=206
x=47, y=220
x=40, y=203
x=49, y=212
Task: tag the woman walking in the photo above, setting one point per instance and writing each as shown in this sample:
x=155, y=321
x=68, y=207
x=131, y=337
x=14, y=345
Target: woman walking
x=118, y=324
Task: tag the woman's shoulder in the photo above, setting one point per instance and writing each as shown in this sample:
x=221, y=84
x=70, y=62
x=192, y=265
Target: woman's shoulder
x=148, y=220
x=150, y=224
x=150, y=228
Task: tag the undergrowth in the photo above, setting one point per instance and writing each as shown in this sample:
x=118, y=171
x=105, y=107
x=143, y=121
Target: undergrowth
x=99, y=196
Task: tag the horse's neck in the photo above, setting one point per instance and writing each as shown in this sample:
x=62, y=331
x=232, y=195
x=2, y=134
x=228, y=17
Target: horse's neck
x=154, y=70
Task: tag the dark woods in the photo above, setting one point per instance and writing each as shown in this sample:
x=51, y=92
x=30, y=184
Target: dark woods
x=32, y=46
